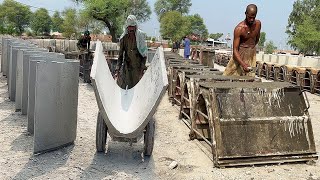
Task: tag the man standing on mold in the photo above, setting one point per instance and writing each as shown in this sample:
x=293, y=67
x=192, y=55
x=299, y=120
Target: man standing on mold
x=246, y=37
x=132, y=55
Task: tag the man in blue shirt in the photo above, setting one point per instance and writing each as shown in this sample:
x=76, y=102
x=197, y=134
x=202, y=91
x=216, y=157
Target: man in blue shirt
x=186, y=45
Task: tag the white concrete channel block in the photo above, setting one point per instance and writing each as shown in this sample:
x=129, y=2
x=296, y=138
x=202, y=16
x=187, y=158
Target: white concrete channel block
x=26, y=66
x=127, y=112
x=56, y=102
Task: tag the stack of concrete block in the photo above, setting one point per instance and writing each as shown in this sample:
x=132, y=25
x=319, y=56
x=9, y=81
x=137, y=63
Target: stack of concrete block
x=44, y=85
x=302, y=71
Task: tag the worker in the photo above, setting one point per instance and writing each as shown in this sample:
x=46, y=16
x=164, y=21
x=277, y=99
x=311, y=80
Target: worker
x=84, y=42
x=186, y=45
x=246, y=37
x=132, y=55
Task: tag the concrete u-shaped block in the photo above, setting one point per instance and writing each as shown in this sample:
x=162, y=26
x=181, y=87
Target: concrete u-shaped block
x=127, y=112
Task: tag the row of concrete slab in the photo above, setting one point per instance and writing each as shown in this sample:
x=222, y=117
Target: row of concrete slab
x=63, y=45
x=44, y=86
x=242, y=120
x=302, y=71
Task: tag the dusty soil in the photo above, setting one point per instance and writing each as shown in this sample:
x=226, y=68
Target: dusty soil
x=123, y=161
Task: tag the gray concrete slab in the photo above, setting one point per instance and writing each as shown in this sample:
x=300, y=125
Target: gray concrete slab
x=20, y=74
x=26, y=61
x=31, y=94
x=12, y=43
x=12, y=74
x=31, y=87
x=4, y=55
x=56, y=101
x=19, y=79
x=4, y=58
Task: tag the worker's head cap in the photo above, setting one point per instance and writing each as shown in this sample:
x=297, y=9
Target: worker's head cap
x=131, y=21
x=86, y=33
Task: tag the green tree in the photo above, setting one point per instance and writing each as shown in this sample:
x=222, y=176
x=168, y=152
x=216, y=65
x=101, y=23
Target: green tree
x=14, y=16
x=174, y=26
x=270, y=47
x=215, y=36
x=262, y=39
x=163, y=6
x=300, y=9
x=114, y=12
x=87, y=22
x=307, y=37
x=41, y=22
x=304, y=24
x=57, y=22
x=70, y=22
x=197, y=26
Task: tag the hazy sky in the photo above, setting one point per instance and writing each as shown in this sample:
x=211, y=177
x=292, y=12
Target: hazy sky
x=219, y=15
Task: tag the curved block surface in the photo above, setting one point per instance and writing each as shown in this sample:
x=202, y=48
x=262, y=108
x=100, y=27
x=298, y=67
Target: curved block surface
x=127, y=112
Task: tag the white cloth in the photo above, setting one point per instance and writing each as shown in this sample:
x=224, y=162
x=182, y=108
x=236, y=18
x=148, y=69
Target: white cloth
x=140, y=35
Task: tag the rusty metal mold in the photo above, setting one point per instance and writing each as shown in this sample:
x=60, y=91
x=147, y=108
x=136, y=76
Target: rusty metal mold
x=307, y=81
x=294, y=77
x=316, y=87
x=172, y=71
x=272, y=72
x=281, y=74
x=191, y=93
x=264, y=70
x=256, y=123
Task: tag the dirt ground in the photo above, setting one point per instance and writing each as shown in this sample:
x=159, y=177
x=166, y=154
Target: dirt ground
x=123, y=161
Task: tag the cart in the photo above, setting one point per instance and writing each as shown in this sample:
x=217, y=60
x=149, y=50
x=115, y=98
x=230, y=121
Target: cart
x=127, y=114
x=147, y=133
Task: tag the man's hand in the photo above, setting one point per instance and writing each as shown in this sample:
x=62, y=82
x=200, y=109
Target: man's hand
x=143, y=70
x=245, y=67
x=116, y=75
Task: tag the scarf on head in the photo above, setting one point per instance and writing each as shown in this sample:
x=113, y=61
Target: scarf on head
x=140, y=35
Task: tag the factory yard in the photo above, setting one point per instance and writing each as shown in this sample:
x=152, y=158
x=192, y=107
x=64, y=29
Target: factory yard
x=123, y=161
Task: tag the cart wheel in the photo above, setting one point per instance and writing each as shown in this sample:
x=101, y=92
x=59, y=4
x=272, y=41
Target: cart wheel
x=101, y=134
x=149, y=138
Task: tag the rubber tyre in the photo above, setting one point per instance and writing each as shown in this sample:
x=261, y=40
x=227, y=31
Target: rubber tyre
x=101, y=134
x=149, y=138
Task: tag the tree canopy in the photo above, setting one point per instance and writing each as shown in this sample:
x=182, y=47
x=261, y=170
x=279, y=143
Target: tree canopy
x=114, y=12
x=262, y=39
x=307, y=37
x=197, y=26
x=41, y=22
x=87, y=22
x=304, y=26
x=162, y=6
x=70, y=22
x=14, y=17
x=174, y=26
x=270, y=47
x=57, y=22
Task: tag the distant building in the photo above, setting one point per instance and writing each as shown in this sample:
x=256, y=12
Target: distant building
x=217, y=44
x=101, y=37
x=56, y=35
x=292, y=52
